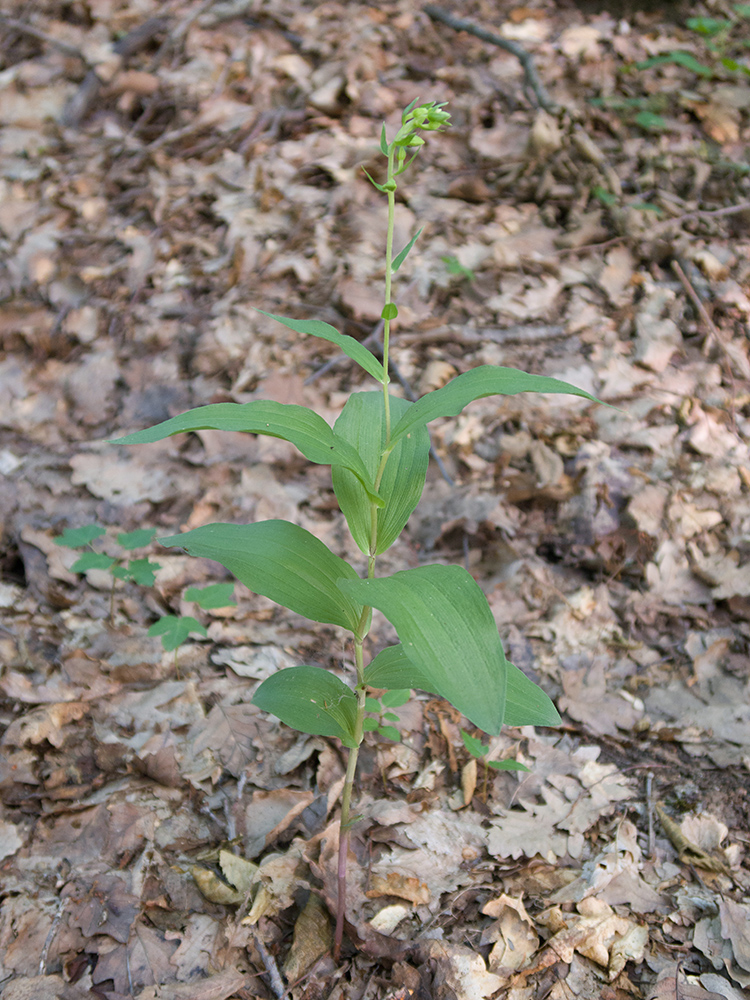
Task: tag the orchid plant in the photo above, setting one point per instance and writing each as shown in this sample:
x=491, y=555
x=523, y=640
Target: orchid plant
x=378, y=451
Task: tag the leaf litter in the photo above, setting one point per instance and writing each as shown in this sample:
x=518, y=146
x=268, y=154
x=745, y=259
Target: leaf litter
x=218, y=167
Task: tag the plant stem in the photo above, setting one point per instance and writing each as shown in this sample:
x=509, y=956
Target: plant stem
x=346, y=799
x=390, y=185
x=359, y=637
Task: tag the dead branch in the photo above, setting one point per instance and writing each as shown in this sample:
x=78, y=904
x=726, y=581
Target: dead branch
x=85, y=97
x=525, y=58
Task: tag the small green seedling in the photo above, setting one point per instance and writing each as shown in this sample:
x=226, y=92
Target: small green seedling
x=175, y=629
x=477, y=749
x=380, y=715
x=454, y=266
x=378, y=452
x=140, y=571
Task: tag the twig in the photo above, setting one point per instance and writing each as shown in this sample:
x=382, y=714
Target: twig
x=699, y=308
x=272, y=970
x=57, y=920
x=28, y=29
x=650, y=808
x=659, y=227
x=525, y=58
x=712, y=334
x=85, y=97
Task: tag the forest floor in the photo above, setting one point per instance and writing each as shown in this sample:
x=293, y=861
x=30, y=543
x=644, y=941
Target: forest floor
x=165, y=168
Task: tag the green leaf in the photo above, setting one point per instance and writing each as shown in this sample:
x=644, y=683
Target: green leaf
x=362, y=425
x=216, y=595
x=372, y=705
x=142, y=571
x=743, y=9
x=604, y=196
x=92, y=560
x=380, y=187
x=391, y=716
x=708, y=25
x=383, y=142
x=650, y=122
x=301, y=426
x=351, y=347
x=311, y=700
x=174, y=631
x=475, y=747
x=370, y=725
x=678, y=58
x=281, y=561
x=76, y=538
x=507, y=765
x=447, y=630
x=400, y=257
x=454, y=266
x=525, y=702
x=395, y=699
x=487, y=380
x=389, y=311
x=136, y=539
x=390, y=733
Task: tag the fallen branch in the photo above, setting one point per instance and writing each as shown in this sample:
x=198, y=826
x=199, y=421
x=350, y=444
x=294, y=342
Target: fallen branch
x=525, y=58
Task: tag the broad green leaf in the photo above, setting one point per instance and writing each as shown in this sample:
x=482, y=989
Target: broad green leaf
x=281, y=561
x=447, y=630
x=372, y=705
x=395, y=699
x=392, y=669
x=301, y=426
x=76, y=538
x=216, y=595
x=351, y=347
x=174, y=631
x=362, y=424
x=400, y=257
x=136, y=539
x=142, y=571
x=507, y=765
x=650, y=122
x=525, y=702
x=389, y=311
x=92, y=560
x=487, y=380
x=312, y=700
x=369, y=725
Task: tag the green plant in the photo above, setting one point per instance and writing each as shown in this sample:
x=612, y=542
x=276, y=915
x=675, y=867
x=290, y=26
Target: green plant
x=479, y=751
x=173, y=629
x=378, y=451
x=140, y=571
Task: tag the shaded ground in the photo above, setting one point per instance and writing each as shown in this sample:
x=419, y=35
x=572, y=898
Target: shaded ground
x=159, y=179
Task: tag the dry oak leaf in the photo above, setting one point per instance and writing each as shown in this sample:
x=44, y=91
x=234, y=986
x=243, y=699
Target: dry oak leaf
x=593, y=934
x=397, y=884
x=45, y=723
x=42, y=988
x=219, y=987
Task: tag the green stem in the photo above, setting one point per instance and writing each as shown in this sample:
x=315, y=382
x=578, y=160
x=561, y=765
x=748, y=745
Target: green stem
x=361, y=632
x=390, y=185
